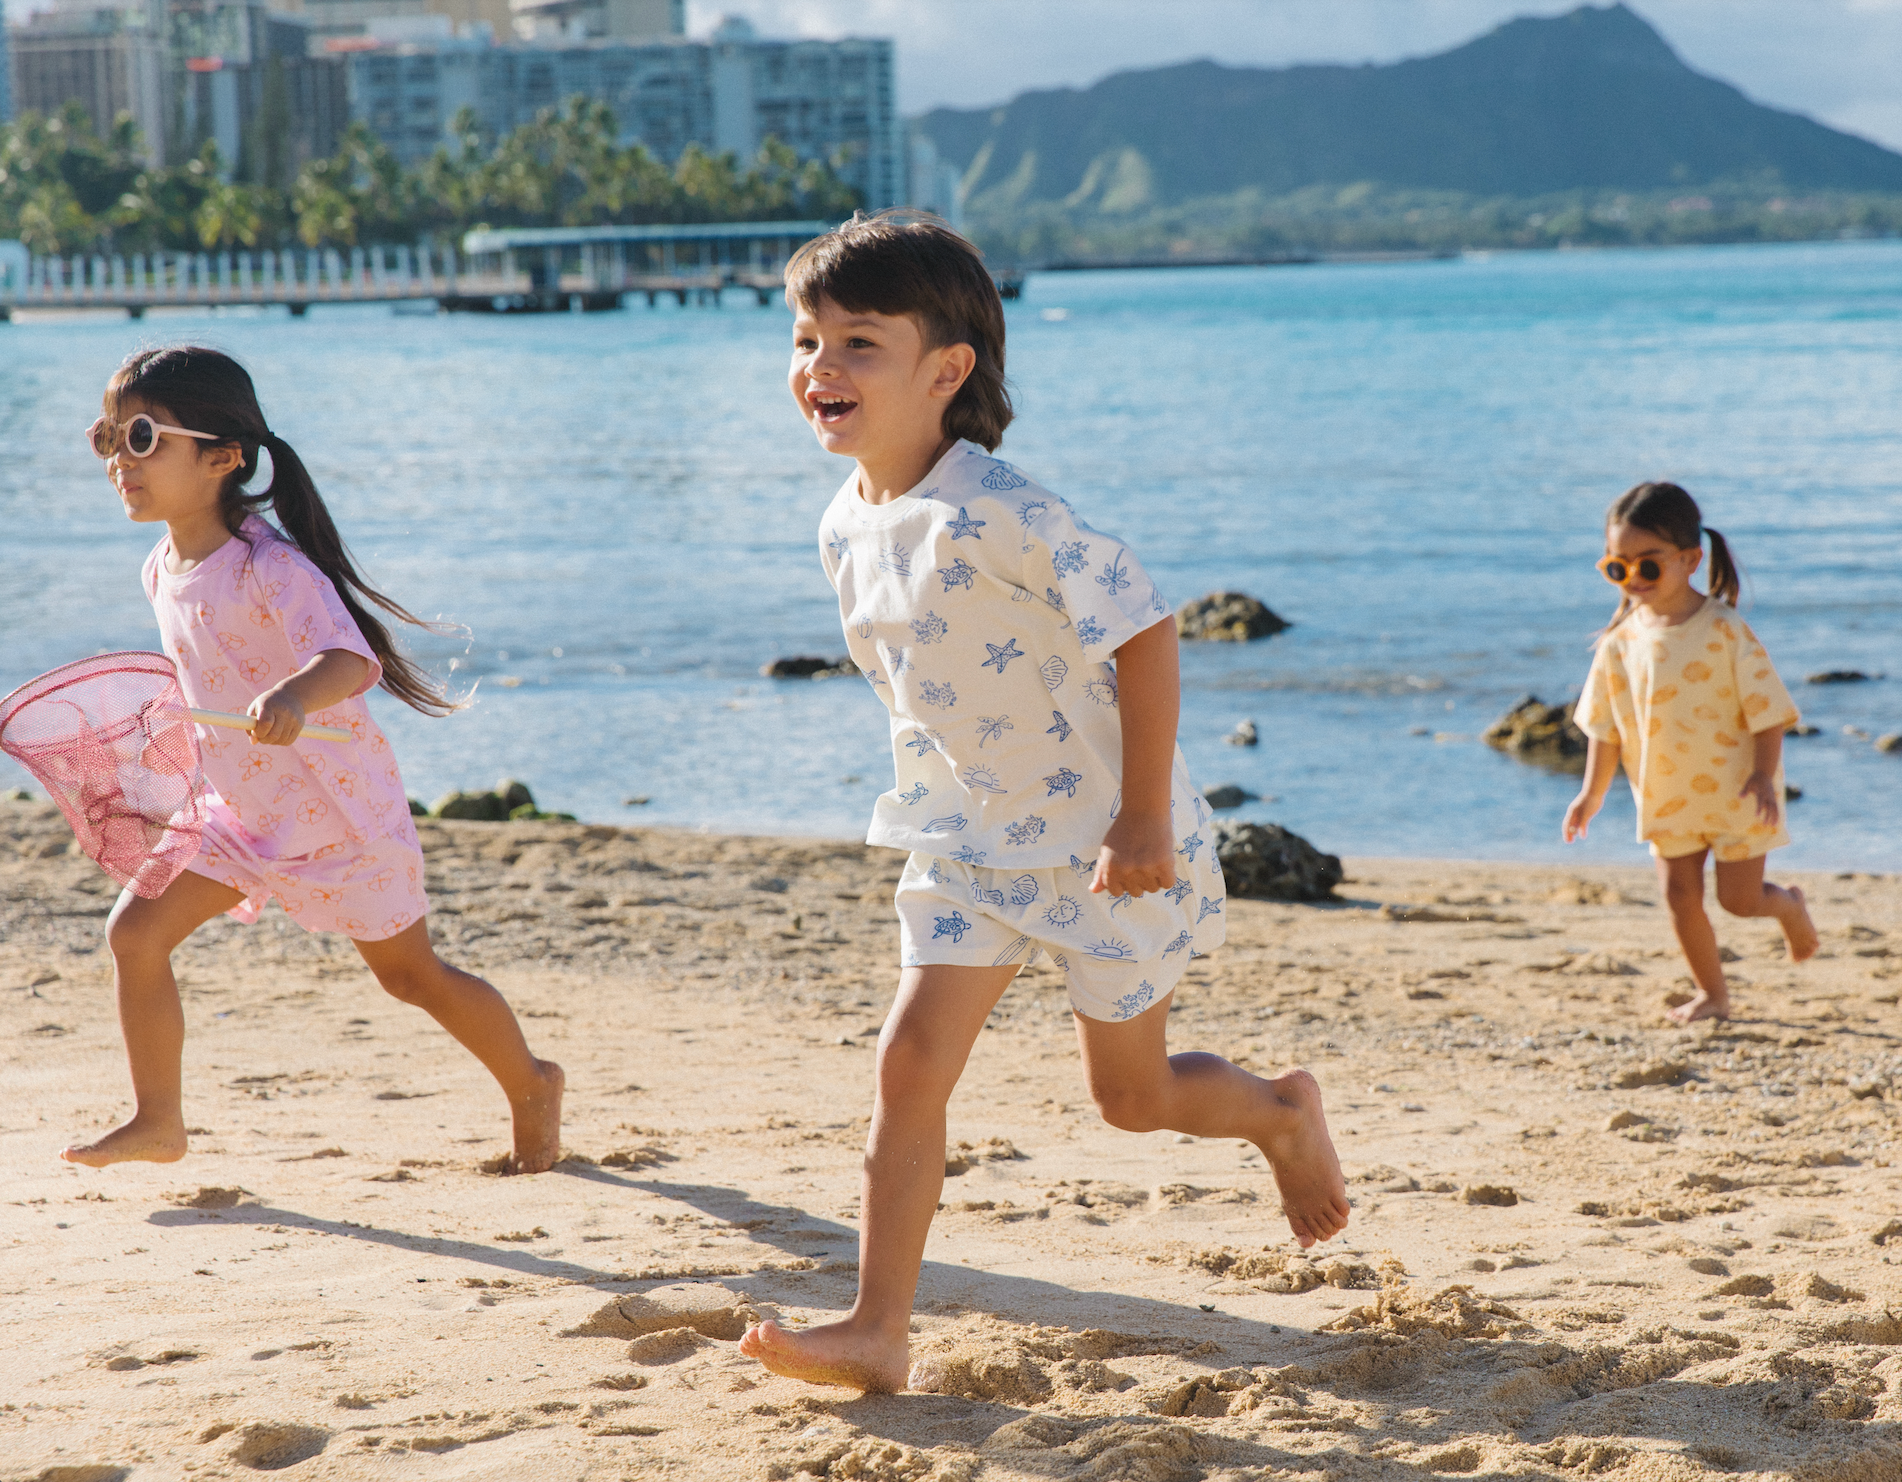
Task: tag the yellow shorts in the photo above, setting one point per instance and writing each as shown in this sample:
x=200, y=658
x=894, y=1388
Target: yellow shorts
x=1726, y=848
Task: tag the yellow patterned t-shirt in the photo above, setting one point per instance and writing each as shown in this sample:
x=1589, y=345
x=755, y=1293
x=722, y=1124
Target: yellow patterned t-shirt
x=1683, y=704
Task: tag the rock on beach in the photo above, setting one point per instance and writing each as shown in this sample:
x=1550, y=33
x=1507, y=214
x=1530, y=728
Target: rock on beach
x=1267, y=862
x=1545, y=735
x=1233, y=617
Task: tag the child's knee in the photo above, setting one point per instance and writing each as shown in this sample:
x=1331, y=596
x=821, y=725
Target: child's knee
x=911, y=1065
x=1740, y=899
x=1684, y=894
x=1127, y=1106
x=128, y=936
x=416, y=986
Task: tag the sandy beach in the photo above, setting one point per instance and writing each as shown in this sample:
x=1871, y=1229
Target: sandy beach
x=1585, y=1243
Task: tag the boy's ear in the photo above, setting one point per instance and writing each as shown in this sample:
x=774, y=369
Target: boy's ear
x=955, y=364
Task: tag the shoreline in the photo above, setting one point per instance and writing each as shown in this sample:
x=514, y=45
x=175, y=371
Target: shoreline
x=1582, y=1238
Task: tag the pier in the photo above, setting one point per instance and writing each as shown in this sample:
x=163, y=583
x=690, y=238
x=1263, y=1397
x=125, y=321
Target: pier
x=527, y=271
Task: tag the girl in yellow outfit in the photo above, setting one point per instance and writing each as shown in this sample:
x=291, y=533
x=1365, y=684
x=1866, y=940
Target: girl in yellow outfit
x=1684, y=694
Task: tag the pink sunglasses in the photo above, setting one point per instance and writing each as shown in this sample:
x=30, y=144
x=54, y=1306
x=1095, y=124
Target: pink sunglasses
x=138, y=435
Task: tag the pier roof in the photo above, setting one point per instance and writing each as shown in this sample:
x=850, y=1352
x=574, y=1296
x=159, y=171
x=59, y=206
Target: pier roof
x=513, y=238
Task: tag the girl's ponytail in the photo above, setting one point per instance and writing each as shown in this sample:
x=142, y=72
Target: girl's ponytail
x=302, y=515
x=1726, y=581
x=208, y=391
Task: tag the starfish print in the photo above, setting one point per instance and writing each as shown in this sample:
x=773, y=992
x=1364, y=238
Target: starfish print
x=838, y=545
x=1190, y=845
x=1061, y=730
x=1001, y=654
x=964, y=525
x=923, y=742
x=1209, y=908
x=896, y=657
x=1179, y=891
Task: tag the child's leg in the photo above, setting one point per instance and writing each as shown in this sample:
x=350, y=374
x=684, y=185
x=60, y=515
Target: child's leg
x=921, y=1054
x=1682, y=881
x=482, y=1022
x=141, y=935
x=1741, y=890
x=1139, y=1086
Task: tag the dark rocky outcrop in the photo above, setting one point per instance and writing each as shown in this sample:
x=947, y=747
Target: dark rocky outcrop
x=1234, y=617
x=1837, y=676
x=509, y=801
x=1228, y=795
x=1264, y=861
x=808, y=666
x=1545, y=735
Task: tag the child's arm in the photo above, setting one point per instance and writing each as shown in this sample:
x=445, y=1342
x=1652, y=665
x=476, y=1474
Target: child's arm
x=1761, y=785
x=1139, y=851
x=1601, y=765
x=335, y=674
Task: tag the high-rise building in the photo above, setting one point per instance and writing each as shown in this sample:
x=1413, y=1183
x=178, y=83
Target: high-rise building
x=599, y=20
x=829, y=100
x=109, y=58
x=248, y=82
x=6, y=72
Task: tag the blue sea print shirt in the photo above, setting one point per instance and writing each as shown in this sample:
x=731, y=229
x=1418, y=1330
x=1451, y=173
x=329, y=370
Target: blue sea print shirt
x=984, y=614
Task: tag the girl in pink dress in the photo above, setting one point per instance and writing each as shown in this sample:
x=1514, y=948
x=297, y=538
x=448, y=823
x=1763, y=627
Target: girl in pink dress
x=272, y=622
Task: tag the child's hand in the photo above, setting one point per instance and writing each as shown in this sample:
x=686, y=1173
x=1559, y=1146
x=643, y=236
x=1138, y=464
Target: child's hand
x=1138, y=855
x=1762, y=788
x=280, y=718
x=1579, y=816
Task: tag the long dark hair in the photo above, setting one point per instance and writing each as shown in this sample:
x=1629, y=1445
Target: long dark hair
x=208, y=391
x=1666, y=511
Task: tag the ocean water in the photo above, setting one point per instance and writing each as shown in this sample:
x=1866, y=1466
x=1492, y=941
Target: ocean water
x=1409, y=461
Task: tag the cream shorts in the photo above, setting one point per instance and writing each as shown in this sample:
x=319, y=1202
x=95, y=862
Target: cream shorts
x=1725, y=848
x=1118, y=954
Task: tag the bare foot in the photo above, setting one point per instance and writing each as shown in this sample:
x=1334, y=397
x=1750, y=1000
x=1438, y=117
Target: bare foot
x=1703, y=1006
x=1308, y=1174
x=838, y=1353
x=1802, y=935
x=142, y=1139
x=537, y=1119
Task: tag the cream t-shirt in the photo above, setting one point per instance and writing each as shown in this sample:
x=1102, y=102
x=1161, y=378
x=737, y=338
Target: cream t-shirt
x=984, y=614
x=1683, y=704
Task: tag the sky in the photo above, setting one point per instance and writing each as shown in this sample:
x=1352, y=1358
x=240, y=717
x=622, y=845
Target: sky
x=1838, y=61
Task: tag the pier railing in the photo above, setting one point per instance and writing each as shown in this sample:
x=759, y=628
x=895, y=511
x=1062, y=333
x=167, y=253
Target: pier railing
x=299, y=278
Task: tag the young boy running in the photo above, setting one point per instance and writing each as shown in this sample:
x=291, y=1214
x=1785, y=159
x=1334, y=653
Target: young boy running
x=1040, y=790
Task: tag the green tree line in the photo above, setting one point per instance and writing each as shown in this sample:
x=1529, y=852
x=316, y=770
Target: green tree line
x=1371, y=218
x=67, y=188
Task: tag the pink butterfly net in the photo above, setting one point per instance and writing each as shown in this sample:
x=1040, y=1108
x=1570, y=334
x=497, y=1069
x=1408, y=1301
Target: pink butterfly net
x=111, y=740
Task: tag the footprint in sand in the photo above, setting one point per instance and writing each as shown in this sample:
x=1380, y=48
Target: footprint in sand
x=668, y=1346
x=209, y=1197
x=268, y=1446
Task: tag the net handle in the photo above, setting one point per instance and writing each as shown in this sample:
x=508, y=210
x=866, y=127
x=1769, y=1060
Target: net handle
x=246, y=723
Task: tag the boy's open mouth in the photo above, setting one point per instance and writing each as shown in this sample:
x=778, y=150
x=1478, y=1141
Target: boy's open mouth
x=830, y=408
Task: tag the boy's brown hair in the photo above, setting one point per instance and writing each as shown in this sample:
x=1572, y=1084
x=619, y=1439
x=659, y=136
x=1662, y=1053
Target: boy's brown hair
x=909, y=262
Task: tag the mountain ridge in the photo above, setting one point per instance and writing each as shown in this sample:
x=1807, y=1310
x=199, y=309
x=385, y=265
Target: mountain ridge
x=1595, y=99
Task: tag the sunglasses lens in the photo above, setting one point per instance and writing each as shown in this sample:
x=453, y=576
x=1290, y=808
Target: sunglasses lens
x=1616, y=571
x=99, y=438
x=141, y=436
x=1649, y=570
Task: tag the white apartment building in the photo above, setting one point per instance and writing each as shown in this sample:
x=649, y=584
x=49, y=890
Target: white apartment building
x=829, y=100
